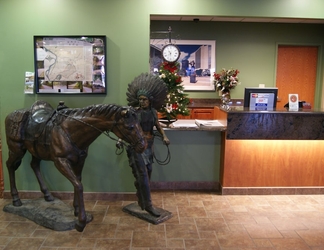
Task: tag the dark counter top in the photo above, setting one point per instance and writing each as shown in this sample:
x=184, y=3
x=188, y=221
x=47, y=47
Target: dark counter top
x=305, y=124
x=241, y=109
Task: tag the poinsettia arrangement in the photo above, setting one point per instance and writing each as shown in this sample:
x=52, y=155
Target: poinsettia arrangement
x=226, y=79
x=176, y=101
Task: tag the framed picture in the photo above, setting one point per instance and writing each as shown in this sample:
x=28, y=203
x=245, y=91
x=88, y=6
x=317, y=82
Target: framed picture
x=70, y=64
x=197, y=62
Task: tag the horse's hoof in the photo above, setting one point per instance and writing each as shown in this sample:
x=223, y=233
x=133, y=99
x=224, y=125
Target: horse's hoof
x=17, y=203
x=79, y=227
x=49, y=197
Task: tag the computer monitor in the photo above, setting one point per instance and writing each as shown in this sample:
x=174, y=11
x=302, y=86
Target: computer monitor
x=260, y=98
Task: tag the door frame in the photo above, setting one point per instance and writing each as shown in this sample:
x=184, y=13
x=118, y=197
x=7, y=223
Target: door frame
x=319, y=94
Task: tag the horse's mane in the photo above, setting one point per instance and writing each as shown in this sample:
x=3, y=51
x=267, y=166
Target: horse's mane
x=106, y=110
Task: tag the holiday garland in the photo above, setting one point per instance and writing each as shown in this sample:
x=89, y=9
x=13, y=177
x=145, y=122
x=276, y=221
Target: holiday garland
x=176, y=102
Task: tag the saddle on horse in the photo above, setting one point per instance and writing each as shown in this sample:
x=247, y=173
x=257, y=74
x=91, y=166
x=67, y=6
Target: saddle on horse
x=37, y=118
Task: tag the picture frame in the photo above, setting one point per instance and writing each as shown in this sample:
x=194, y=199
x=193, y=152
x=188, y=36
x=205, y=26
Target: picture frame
x=70, y=64
x=197, y=62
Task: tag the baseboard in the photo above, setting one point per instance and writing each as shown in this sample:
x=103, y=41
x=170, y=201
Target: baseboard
x=69, y=195
x=187, y=185
x=271, y=190
x=155, y=186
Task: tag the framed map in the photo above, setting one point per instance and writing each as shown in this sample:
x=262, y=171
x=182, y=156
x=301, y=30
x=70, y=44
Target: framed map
x=70, y=64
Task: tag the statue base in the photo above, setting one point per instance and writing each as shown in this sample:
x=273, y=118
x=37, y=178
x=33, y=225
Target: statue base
x=55, y=215
x=135, y=210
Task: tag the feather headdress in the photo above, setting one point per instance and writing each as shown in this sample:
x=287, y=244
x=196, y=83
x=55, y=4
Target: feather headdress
x=149, y=85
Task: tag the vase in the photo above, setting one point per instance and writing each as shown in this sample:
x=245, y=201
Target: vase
x=226, y=98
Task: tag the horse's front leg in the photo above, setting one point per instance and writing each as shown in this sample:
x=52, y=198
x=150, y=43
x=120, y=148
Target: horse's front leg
x=77, y=169
x=35, y=164
x=13, y=163
x=64, y=166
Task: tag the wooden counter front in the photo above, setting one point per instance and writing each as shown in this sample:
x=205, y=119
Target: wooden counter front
x=288, y=159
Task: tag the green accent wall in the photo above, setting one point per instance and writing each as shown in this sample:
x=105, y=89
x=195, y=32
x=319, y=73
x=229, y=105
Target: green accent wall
x=250, y=47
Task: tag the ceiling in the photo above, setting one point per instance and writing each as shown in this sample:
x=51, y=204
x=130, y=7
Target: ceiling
x=233, y=19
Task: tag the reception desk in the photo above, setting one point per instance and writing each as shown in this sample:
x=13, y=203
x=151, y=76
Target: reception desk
x=272, y=152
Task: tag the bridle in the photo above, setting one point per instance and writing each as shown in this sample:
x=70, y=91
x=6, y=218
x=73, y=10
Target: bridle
x=119, y=142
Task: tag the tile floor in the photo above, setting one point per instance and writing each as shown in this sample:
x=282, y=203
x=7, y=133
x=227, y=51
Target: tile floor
x=201, y=220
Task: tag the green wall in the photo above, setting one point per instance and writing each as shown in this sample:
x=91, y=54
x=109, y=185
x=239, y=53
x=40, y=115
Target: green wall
x=250, y=47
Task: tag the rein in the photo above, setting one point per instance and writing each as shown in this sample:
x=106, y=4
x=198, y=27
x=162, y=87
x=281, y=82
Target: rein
x=168, y=157
x=106, y=133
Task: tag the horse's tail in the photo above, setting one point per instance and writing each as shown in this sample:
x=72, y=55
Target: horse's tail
x=15, y=124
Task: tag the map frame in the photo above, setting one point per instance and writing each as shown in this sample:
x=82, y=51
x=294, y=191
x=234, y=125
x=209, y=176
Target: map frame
x=70, y=64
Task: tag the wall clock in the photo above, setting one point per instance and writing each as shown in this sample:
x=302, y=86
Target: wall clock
x=170, y=53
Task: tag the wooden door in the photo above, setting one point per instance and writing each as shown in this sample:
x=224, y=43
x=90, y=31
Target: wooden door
x=296, y=73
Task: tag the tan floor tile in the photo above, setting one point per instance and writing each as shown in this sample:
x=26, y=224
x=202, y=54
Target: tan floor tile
x=209, y=224
x=186, y=220
x=238, y=218
x=239, y=208
x=115, y=211
x=19, y=229
x=236, y=227
x=175, y=243
x=217, y=205
x=263, y=211
x=214, y=214
x=86, y=242
x=24, y=243
x=4, y=217
x=98, y=216
x=303, y=199
x=202, y=244
x=312, y=237
x=234, y=239
x=112, y=244
x=261, y=219
x=4, y=240
x=62, y=239
x=157, y=228
x=4, y=224
x=313, y=223
x=124, y=234
x=196, y=203
x=176, y=201
x=111, y=219
x=262, y=243
x=207, y=234
x=286, y=244
x=99, y=231
x=185, y=231
x=262, y=231
x=148, y=239
x=239, y=200
x=192, y=212
x=41, y=232
x=288, y=224
x=289, y=234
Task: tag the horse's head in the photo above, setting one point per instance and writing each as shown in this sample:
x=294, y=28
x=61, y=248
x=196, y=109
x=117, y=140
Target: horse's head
x=127, y=128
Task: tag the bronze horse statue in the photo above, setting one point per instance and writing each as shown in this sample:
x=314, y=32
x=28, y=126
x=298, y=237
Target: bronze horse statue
x=63, y=136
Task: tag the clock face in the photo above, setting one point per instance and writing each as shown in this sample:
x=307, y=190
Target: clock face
x=170, y=53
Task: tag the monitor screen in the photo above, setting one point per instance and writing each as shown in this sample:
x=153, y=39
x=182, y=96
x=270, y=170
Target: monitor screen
x=260, y=98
